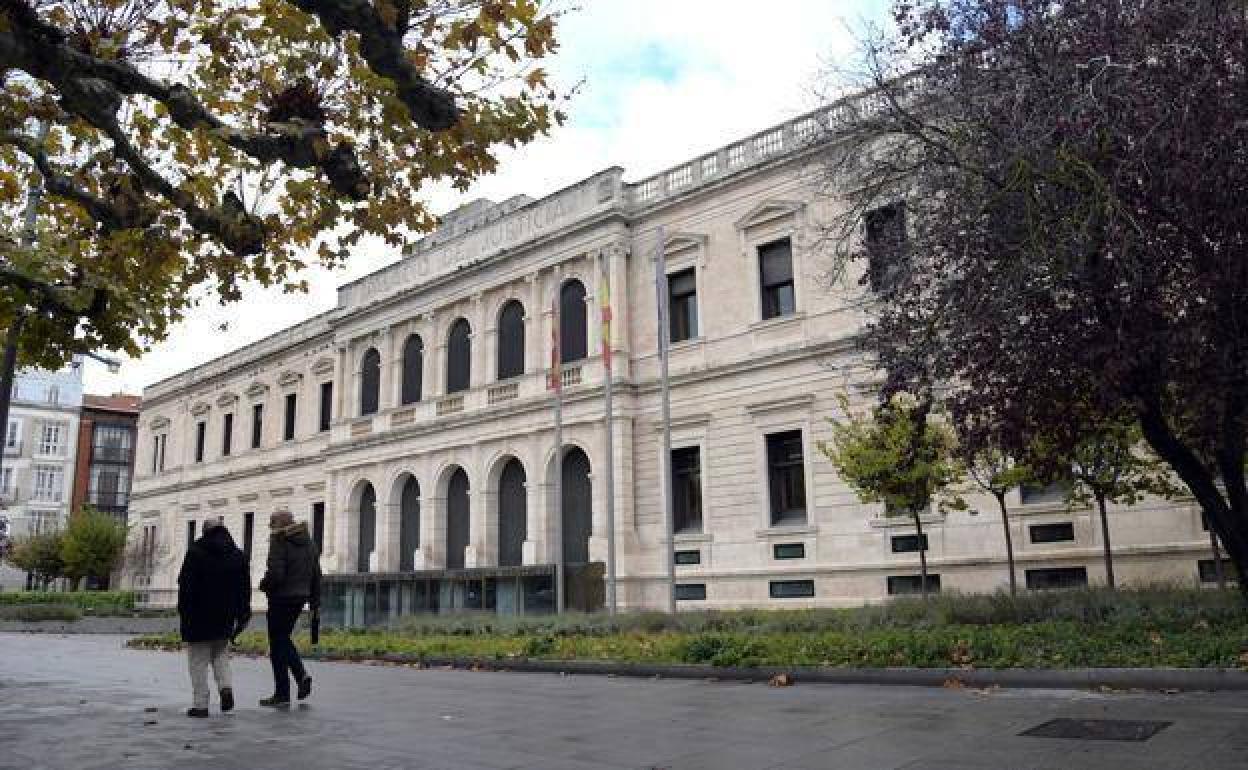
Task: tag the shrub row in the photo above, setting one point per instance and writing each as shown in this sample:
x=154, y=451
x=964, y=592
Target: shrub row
x=92, y=601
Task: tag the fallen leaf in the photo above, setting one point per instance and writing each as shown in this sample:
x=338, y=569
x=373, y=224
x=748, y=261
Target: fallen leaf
x=780, y=680
x=954, y=684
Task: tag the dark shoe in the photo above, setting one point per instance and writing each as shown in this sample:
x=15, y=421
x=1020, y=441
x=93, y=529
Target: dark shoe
x=197, y=713
x=275, y=701
x=227, y=699
x=305, y=687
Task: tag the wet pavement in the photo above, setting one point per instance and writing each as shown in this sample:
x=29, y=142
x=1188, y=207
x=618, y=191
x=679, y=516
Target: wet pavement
x=85, y=702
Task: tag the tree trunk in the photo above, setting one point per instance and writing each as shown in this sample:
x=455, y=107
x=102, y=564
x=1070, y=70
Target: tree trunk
x=1217, y=560
x=1009, y=543
x=918, y=528
x=1228, y=524
x=1109, y=556
x=6, y=380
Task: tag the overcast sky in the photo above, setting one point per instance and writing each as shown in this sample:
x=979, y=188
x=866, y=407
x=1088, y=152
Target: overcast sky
x=664, y=80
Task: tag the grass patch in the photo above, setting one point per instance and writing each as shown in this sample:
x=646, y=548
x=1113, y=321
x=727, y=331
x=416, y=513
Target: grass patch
x=1091, y=628
x=39, y=613
x=91, y=602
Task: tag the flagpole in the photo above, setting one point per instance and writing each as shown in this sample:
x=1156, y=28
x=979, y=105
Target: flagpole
x=663, y=337
x=609, y=469
x=556, y=382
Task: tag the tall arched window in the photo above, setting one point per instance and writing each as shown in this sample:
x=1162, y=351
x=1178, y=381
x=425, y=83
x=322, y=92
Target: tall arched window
x=577, y=506
x=409, y=523
x=511, y=341
x=370, y=381
x=512, y=514
x=573, y=338
x=458, y=518
x=413, y=368
x=459, y=357
x=368, y=528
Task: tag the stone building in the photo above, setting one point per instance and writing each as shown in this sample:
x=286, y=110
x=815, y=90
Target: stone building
x=413, y=428
x=37, y=472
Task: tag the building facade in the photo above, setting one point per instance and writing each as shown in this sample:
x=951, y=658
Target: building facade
x=105, y=462
x=37, y=473
x=413, y=427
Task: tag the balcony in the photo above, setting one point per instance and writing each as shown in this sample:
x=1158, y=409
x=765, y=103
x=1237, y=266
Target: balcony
x=115, y=455
x=450, y=405
x=8, y=495
x=507, y=391
x=13, y=449
x=108, y=500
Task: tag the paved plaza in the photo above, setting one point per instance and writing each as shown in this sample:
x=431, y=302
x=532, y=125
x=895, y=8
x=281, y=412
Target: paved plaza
x=85, y=702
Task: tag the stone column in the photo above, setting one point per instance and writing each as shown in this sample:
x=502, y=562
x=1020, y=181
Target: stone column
x=534, y=538
x=433, y=532
x=476, y=318
x=387, y=537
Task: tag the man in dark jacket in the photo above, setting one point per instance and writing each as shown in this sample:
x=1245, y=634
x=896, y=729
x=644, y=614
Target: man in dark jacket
x=291, y=580
x=214, y=605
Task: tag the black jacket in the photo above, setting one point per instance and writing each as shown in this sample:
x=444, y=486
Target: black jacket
x=214, y=588
x=293, y=574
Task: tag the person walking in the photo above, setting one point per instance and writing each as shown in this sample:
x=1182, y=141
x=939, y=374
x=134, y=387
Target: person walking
x=214, y=606
x=292, y=579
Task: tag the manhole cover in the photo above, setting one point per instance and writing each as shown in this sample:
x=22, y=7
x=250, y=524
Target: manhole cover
x=1098, y=729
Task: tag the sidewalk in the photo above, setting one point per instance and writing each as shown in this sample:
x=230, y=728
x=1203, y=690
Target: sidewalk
x=80, y=702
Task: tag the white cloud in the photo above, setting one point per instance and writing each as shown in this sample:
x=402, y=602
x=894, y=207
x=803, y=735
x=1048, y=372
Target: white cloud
x=664, y=80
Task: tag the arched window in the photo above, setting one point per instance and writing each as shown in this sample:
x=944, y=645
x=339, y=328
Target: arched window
x=413, y=368
x=511, y=341
x=368, y=528
x=370, y=382
x=573, y=338
x=577, y=507
x=459, y=357
x=512, y=515
x=458, y=518
x=409, y=523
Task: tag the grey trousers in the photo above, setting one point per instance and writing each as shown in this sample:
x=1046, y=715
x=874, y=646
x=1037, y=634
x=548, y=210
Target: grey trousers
x=198, y=656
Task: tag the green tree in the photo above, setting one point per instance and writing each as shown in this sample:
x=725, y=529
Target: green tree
x=1109, y=463
x=39, y=555
x=901, y=455
x=189, y=147
x=92, y=546
x=993, y=471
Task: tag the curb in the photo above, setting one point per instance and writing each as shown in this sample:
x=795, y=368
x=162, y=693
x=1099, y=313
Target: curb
x=1158, y=679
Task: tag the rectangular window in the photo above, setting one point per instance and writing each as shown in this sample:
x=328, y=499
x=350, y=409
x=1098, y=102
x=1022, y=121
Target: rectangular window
x=249, y=529
x=257, y=425
x=791, y=589
x=786, y=478
x=327, y=405
x=909, y=543
x=201, y=431
x=789, y=550
x=1057, y=577
x=164, y=439
x=1053, y=492
x=13, y=434
x=318, y=526
x=155, y=453
x=6, y=482
x=48, y=483
x=190, y=533
x=690, y=591
x=1063, y=532
x=111, y=443
x=227, y=433
x=288, y=430
x=906, y=585
x=1209, y=573
x=885, y=244
x=682, y=293
x=50, y=439
x=775, y=265
x=687, y=557
x=54, y=394
x=686, y=490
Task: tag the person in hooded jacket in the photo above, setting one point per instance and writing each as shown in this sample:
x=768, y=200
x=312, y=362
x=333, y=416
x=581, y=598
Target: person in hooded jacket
x=291, y=580
x=214, y=606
